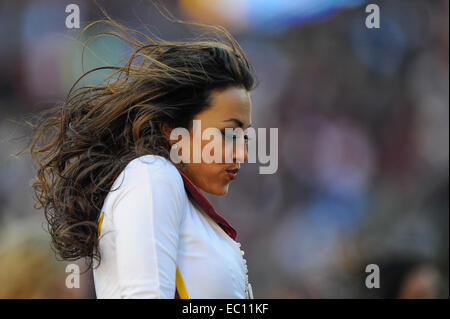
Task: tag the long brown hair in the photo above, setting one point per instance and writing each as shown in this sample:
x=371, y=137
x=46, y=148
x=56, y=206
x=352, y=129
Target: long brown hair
x=81, y=146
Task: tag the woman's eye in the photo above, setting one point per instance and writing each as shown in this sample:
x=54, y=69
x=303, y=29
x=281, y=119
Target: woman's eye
x=234, y=136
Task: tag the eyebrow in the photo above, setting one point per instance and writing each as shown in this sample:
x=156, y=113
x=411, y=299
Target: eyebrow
x=237, y=121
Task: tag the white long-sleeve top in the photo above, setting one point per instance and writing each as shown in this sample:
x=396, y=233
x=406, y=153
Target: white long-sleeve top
x=153, y=235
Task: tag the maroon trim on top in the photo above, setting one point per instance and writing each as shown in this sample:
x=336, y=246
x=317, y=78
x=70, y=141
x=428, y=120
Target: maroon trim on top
x=206, y=205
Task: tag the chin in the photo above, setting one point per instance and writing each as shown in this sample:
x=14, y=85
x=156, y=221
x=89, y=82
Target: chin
x=219, y=191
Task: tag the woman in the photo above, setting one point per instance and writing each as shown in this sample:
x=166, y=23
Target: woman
x=110, y=188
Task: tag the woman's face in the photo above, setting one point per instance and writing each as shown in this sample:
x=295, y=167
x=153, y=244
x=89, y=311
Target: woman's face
x=230, y=108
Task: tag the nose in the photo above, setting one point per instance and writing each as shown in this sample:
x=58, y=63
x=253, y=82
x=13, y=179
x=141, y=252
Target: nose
x=240, y=153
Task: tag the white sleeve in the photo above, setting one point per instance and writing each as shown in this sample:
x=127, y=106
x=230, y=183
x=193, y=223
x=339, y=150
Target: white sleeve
x=146, y=217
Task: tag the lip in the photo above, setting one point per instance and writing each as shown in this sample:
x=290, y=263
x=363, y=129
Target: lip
x=232, y=173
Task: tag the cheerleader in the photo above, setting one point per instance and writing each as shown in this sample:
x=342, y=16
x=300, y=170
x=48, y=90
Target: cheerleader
x=110, y=189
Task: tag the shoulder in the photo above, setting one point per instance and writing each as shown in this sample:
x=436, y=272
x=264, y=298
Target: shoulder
x=149, y=172
x=152, y=169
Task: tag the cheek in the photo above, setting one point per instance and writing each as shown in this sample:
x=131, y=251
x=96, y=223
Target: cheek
x=226, y=149
x=211, y=172
x=205, y=174
x=212, y=150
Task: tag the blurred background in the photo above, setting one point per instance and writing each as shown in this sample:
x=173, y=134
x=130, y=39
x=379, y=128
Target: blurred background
x=363, y=123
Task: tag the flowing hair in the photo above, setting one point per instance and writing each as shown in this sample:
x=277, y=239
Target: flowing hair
x=81, y=146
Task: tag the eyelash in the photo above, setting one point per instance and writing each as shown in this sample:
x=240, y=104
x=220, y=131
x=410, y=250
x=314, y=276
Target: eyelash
x=246, y=138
